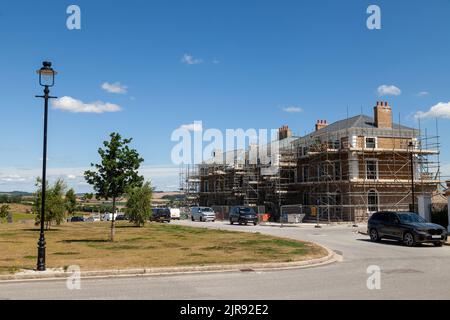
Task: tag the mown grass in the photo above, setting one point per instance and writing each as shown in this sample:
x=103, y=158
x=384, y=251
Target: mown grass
x=155, y=245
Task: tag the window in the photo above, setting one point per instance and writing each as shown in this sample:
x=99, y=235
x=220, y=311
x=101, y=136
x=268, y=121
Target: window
x=337, y=170
x=322, y=171
x=305, y=173
x=371, y=143
x=371, y=169
x=372, y=201
x=305, y=199
x=205, y=186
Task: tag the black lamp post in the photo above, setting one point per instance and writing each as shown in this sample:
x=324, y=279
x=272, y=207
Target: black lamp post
x=46, y=80
x=413, y=191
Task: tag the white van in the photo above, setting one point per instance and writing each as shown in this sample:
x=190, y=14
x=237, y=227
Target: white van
x=109, y=216
x=203, y=214
x=175, y=213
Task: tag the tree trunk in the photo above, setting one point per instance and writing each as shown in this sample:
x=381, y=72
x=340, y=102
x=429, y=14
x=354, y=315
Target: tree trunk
x=113, y=226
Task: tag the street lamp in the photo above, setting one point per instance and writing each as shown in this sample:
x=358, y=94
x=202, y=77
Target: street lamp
x=46, y=80
x=413, y=191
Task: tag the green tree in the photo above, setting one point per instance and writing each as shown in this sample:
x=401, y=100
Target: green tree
x=55, y=204
x=117, y=172
x=71, y=201
x=87, y=197
x=139, y=204
x=4, y=212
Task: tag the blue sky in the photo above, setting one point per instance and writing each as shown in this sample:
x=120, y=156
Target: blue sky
x=246, y=64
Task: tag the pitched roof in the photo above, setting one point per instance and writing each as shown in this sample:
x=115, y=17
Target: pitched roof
x=359, y=122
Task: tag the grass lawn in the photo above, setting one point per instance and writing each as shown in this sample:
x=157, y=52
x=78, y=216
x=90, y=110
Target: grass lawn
x=155, y=245
x=17, y=217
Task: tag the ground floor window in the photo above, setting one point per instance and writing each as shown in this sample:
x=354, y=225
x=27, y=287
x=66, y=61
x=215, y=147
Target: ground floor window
x=372, y=201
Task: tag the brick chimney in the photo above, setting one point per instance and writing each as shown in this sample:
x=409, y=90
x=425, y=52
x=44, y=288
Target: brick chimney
x=321, y=124
x=383, y=115
x=284, y=132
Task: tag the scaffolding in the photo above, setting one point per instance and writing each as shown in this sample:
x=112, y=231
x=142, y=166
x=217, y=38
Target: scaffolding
x=339, y=175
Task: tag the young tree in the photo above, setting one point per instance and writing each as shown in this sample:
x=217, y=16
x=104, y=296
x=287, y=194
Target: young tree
x=4, y=212
x=139, y=204
x=117, y=172
x=71, y=201
x=55, y=205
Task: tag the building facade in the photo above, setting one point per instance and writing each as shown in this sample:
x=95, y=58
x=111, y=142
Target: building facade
x=342, y=171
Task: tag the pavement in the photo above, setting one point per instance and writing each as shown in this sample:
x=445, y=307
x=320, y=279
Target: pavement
x=405, y=273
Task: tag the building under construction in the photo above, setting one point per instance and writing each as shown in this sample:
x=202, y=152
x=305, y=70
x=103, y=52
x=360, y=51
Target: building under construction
x=342, y=171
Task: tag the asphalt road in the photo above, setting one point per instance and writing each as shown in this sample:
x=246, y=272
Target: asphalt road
x=406, y=273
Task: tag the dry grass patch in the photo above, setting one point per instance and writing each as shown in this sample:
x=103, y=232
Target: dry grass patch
x=155, y=245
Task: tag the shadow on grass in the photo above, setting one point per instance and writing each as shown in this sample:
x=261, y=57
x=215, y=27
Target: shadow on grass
x=85, y=241
x=39, y=230
x=127, y=226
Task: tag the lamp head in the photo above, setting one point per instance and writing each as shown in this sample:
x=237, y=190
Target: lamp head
x=46, y=74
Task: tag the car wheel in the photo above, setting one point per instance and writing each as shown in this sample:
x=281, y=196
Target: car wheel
x=438, y=244
x=374, y=237
x=192, y=218
x=408, y=239
x=213, y=220
x=255, y=223
x=201, y=219
x=231, y=222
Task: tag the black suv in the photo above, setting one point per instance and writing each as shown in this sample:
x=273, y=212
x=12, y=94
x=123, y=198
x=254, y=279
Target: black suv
x=77, y=219
x=160, y=215
x=243, y=215
x=408, y=227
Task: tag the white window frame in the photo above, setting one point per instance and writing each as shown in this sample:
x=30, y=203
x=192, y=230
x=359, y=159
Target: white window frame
x=377, y=168
x=376, y=142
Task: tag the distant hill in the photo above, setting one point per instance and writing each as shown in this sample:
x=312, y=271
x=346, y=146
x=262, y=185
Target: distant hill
x=17, y=193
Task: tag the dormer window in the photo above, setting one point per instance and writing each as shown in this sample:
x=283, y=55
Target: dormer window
x=371, y=143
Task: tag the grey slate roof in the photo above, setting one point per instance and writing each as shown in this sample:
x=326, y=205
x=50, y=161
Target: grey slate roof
x=359, y=122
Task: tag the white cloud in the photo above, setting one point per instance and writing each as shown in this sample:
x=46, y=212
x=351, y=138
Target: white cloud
x=71, y=176
x=440, y=110
x=215, y=61
x=115, y=87
x=11, y=178
x=196, y=126
x=190, y=60
x=77, y=106
x=423, y=93
x=386, y=90
x=292, y=109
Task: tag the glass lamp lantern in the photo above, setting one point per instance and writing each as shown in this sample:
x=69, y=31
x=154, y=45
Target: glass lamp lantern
x=46, y=75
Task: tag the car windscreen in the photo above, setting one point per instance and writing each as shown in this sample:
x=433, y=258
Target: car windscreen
x=411, y=218
x=206, y=210
x=246, y=211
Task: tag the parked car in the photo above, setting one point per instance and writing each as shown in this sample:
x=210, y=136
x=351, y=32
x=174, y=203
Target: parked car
x=243, y=215
x=175, y=213
x=77, y=219
x=93, y=218
x=160, y=215
x=203, y=214
x=408, y=227
x=121, y=217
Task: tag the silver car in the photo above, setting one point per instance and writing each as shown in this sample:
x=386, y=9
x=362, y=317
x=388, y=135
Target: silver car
x=202, y=214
